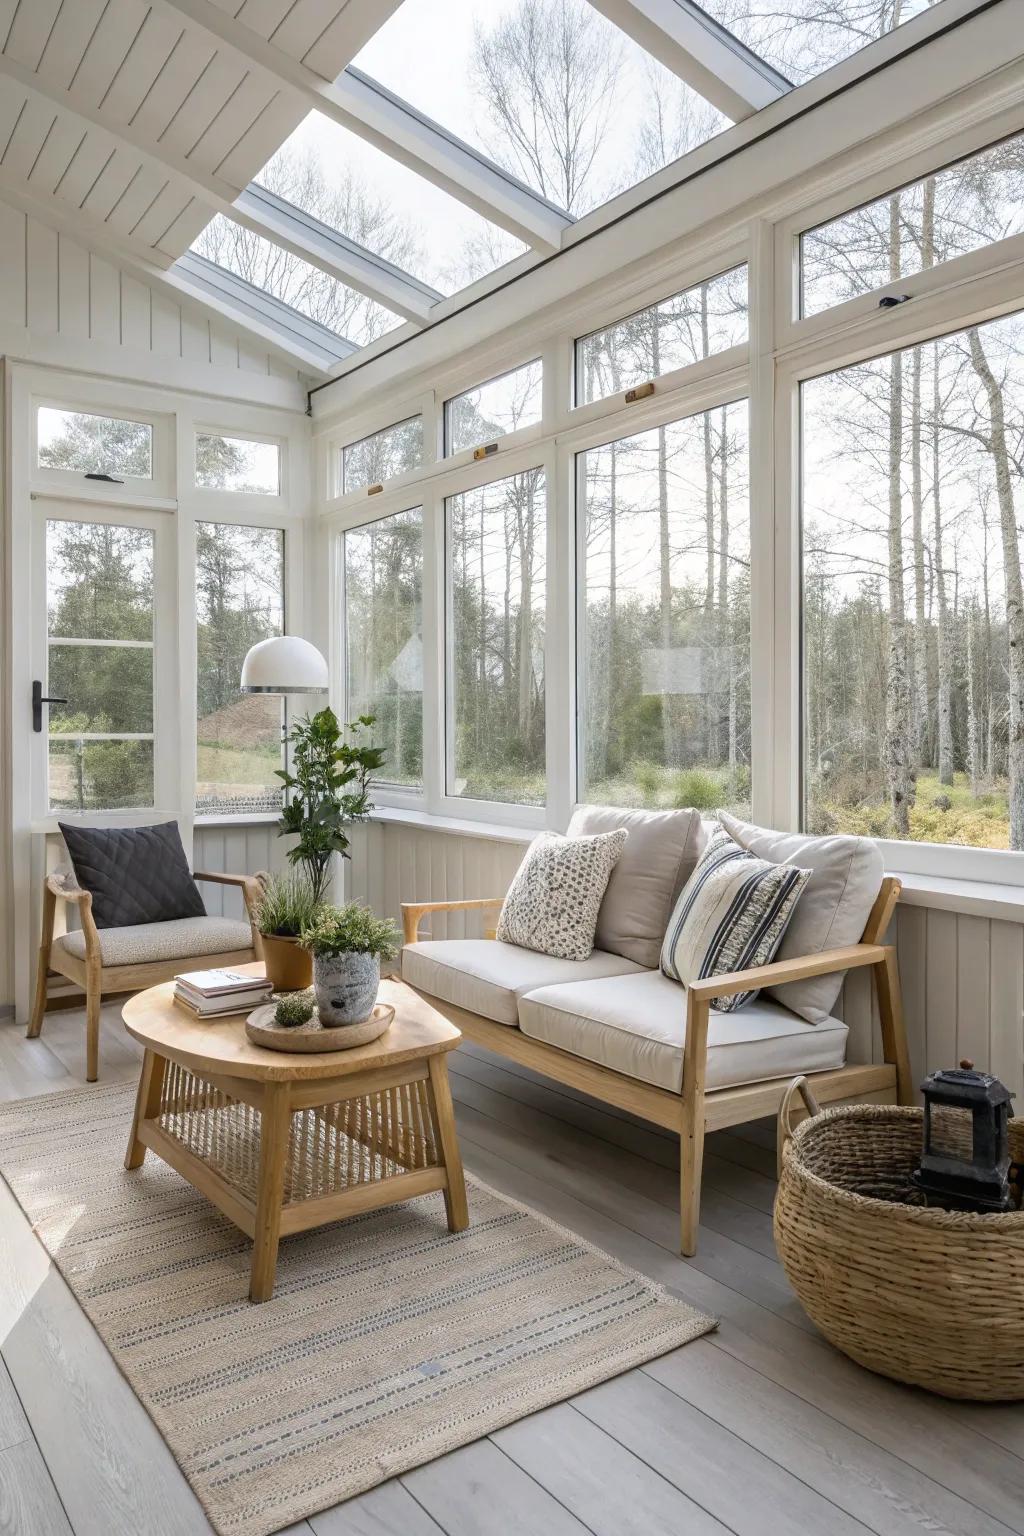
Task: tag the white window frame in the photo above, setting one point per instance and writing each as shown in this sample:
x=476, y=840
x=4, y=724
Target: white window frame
x=133, y=489
x=223, y=498
x=529, y=433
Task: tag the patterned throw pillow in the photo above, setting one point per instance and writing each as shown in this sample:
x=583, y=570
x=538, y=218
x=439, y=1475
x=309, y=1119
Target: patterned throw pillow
x=731, y=915
x=553, y=901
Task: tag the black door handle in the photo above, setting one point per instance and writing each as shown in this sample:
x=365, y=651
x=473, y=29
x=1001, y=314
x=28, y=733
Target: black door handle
x=37, y=704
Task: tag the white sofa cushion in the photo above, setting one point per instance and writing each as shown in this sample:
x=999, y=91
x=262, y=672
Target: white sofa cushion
x=652, y=869
x=181, y=938
x=637, y=1025
x=488, y=977
x=846, y=874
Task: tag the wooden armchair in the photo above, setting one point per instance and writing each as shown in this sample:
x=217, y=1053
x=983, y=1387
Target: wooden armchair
x=695, y=1110
x=99, y=977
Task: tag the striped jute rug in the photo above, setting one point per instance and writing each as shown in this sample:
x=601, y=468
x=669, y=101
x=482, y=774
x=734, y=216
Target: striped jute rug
x=388, y=1341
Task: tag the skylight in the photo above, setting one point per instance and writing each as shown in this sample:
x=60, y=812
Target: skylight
x=553, y=93
x=305, y=288
x=363, y=193
x=800, y=38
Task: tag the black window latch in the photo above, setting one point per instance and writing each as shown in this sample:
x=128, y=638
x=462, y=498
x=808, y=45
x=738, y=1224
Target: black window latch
x=890, y=300
x=38, y=701
x=109, y=479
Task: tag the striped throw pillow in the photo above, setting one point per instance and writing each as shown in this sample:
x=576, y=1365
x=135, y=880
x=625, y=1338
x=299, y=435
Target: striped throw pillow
x=731, y=914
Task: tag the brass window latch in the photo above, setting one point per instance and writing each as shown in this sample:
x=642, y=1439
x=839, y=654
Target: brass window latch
x=639, y=392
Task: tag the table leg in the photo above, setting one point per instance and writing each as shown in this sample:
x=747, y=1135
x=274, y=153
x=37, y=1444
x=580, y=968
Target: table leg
x=275, y=1129
x=147, y=1105
x=447, y=1136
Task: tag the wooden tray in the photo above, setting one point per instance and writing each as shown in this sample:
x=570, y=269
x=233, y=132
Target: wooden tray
x=314, y=1036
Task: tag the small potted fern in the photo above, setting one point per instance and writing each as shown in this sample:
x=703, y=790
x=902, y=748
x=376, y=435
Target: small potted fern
x=348, y=944
x=286, y=906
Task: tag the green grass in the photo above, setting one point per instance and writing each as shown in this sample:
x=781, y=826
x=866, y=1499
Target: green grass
x=969, y=821
x=220, y=765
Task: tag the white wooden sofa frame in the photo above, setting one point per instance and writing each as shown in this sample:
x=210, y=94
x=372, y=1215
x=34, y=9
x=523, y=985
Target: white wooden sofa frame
x=97, y=979
x=694, y=1111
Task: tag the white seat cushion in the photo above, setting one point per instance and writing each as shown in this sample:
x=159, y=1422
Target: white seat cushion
x=181, y=938
x=488, y=977
x=637, y=1024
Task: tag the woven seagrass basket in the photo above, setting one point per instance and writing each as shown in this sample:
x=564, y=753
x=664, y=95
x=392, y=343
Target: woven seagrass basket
x=929, y=1297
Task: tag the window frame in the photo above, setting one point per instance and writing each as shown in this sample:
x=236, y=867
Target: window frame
x=133, y=490
x=222, y=498
x=528, y=433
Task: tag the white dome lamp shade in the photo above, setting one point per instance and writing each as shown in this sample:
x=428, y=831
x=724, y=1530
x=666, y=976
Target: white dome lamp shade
x=284, y=664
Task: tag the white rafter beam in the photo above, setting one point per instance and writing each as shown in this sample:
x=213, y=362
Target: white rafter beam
x=700, y=51
x=392, y=125
x=305, y=237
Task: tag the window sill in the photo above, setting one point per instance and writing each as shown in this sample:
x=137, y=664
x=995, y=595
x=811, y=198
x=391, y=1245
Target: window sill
x=980, y=898
x=453, y=826
x=244, y=819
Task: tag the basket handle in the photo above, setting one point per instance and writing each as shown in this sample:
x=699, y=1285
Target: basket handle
x=800, y=1086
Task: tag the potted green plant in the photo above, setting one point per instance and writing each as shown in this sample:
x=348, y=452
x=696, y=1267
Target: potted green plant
x=348, y=944
x=285, y=907
x=328, y=788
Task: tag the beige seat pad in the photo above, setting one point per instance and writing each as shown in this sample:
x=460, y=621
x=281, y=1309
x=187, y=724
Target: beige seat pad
x=488, y=977
x=637, y=1024
x=181, y=938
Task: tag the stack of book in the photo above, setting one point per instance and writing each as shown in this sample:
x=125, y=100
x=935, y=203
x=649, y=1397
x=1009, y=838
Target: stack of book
x=212, y=994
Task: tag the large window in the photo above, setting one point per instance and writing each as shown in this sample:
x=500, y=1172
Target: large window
x=959, y=209
x=496, y=537
x=673, y=334
x=384, y=638
x=383, y=455
x=913, y=489
x=99, y=611
x=494, y=409
x=94, y=445
x=239, y=600
x=664, y=675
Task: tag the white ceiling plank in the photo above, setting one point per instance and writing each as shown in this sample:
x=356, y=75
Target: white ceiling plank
x=12, y=105
x=69, y=40
x=202, y=103
x=111, y=184
x=182, y=68
x=393, y=127
x=30, y=29
x=263, y=16
x=305, y=23
x=211, y=145
x=700, y=51
x=28, y=137
x=261, y=140
x=347, y=34
x=108, y=48
x=150, y=50
x=62, y=143
x=88, y=162
x=145, y=189
x=160, y=213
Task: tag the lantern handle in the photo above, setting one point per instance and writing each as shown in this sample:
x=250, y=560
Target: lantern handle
x=800, y=1086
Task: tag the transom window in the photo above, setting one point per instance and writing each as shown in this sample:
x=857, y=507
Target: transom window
x=94, y=445
x=664, y=646
x=99, y=612
x=237, y=464
x=493, y=409
x=961, y=208
x=678, y=331
x=384, y=638
x=239, y=601
x=496, y=540
x=383, y=455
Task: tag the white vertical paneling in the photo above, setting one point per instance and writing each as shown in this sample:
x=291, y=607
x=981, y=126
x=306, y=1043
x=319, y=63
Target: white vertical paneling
x=55, y=287
x=941, y=990
x=972, y=988
x=912, y=949
x=1006, y=1006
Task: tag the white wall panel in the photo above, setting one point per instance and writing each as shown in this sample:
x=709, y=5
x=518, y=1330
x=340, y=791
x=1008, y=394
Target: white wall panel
x=962, y=975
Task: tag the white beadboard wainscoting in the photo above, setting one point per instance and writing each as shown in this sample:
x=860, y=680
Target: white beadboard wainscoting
x=962, y=974
x=240, y=849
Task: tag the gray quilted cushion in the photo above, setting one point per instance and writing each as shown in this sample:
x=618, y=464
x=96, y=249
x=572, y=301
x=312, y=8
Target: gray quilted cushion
x=180, y=939
x=136, y=874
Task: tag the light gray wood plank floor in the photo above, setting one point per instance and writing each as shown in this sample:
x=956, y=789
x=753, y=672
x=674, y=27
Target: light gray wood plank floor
x=760, y=1429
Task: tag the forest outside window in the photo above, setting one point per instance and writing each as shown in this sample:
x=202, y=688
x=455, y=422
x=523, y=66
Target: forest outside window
x=959, y=209
x=664, y=678
x=913, y=682
x=384, y=639
x=239, y=601
x=99, y=610
x=237, y=464
x=675, y=333
x=94, y=445
x=496, y=551
x=382, y=455
x=494, y=409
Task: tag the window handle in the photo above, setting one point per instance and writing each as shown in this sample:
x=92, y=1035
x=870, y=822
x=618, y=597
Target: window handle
x=91, y=474
x=38, y=700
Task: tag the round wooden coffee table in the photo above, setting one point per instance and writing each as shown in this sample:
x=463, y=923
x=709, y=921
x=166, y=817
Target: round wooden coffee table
x=282, y=1142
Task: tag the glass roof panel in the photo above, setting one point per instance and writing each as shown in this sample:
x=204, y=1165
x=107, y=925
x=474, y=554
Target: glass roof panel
x=293, y=281
x=800, y=38
x=363, y=193
x=549, y=89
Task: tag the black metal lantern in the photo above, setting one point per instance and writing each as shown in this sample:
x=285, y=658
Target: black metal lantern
x=965, y=1159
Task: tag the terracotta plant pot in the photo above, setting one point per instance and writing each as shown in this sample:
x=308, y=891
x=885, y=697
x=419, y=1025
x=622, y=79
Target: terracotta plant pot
x=289, y=966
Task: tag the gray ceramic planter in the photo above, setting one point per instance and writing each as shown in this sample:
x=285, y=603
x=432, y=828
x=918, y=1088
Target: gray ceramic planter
x=345, y=987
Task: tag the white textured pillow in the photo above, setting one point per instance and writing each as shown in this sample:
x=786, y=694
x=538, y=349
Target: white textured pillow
x=553, y=901
x=846, y=874
x=731, y=915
